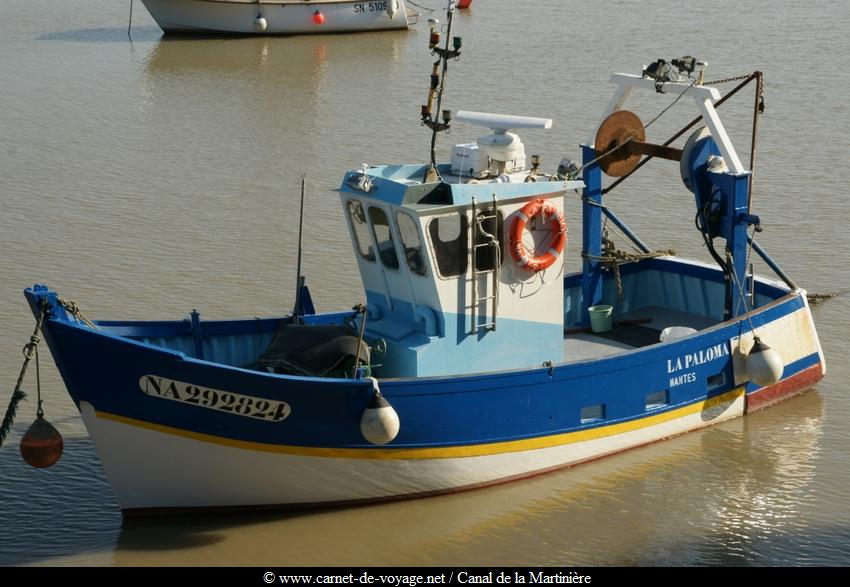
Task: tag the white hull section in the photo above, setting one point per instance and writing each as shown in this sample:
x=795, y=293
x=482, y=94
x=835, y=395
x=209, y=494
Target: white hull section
x=154, y=469
x=281, y=17
x=792, y=336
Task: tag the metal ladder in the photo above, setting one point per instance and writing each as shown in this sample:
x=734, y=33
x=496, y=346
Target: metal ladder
x=489, y=240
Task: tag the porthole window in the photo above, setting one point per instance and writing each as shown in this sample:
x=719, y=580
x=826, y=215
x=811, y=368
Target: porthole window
x=591, y=414
x=657, y=400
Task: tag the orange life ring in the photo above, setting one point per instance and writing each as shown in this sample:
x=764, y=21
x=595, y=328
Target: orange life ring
x=558, y=227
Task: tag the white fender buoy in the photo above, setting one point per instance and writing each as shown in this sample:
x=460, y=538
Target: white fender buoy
x=379, y=423
x=764, y=365
x=260, y=24
x=392, y=8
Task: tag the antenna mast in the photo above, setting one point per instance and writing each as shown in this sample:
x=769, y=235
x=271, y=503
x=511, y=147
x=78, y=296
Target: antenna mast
x=438, y=83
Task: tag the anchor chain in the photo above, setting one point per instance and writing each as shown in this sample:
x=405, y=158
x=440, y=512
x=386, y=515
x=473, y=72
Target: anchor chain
x=727, y=80
x=30, y=351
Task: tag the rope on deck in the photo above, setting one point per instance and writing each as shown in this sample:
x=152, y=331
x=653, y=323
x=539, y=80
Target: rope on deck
x=612, y=257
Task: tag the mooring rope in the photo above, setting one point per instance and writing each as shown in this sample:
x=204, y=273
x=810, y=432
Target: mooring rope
x=815, y=298
x=73, y=308
x=30, y=351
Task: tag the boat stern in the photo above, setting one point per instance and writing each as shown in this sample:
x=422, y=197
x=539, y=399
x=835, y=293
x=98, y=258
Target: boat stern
x=793, y=337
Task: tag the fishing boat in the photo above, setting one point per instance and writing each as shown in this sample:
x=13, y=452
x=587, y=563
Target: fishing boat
x=474, y=360
x=278, y=17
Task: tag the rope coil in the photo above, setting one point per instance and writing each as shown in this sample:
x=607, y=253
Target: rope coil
x=612, y=257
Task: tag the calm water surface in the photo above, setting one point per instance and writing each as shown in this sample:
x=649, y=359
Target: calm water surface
x=145, y=179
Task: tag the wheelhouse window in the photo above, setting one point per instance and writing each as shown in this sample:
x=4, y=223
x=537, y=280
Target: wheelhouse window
x=450, y=241
x=383, y=237
x=360, y=228
x=414, y=256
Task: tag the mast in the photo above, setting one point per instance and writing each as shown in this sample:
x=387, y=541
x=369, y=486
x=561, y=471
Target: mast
x=299, y=282
x=435, y=91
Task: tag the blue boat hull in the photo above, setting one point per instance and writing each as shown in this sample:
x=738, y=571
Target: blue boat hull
x=176, y=431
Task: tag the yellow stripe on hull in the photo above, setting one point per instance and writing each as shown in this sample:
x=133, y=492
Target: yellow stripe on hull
x=444, y=452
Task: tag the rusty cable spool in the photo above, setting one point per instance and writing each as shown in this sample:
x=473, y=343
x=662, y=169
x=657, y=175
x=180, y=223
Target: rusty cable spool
x=621, y=142
x=615, y=132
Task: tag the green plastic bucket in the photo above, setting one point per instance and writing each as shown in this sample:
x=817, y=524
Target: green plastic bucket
x=601, y=317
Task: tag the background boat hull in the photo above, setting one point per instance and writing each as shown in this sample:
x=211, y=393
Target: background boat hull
x=283, y=18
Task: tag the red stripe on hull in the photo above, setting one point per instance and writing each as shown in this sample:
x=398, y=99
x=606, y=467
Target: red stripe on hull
x=794, y=385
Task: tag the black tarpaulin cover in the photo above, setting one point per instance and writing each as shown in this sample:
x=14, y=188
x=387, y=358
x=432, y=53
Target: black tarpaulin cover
x=312, y=349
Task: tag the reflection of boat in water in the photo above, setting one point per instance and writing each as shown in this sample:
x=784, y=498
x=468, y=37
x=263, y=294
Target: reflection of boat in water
x=246, y=78
x=475, y=362
x=284, y=58
x=278, y=17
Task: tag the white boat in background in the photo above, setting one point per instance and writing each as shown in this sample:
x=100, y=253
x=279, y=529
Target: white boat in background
x=278, y=17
